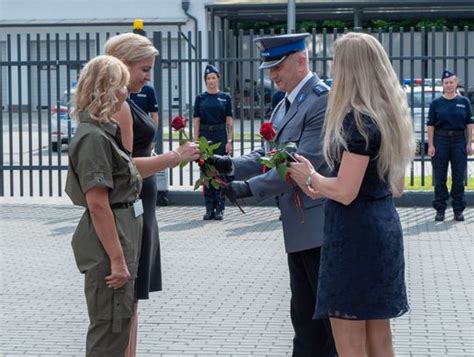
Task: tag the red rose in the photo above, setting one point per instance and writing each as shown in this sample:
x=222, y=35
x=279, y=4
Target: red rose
x=267, y=131
x=201, y=162
x=178, y=122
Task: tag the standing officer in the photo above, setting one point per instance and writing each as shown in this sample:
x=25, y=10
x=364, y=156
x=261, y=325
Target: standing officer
x=298, y=118
x=213, y=120
x=449, y=141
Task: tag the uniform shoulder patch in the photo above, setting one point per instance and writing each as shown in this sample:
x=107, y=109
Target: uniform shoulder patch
x=320, y=88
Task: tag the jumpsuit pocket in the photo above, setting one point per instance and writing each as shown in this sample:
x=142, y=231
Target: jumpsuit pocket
x=105, y=303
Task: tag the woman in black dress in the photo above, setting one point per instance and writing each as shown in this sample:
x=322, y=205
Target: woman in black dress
x=368, y=142
x=138, y=132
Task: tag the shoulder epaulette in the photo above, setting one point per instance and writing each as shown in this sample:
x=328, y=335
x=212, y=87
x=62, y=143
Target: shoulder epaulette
x=320, y=88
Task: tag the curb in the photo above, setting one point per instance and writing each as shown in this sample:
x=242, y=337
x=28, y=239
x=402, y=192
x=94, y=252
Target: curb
x=409, y=199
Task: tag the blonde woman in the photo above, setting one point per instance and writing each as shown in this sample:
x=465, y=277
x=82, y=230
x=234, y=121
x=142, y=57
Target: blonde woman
x=368, y=142
x=104, y=179
x=138, y=128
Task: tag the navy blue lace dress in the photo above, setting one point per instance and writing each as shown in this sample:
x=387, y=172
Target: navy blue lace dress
x=362, y=272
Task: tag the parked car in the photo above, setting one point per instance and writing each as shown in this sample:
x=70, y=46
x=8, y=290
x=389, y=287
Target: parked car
x=60, y=136
x=419, y=100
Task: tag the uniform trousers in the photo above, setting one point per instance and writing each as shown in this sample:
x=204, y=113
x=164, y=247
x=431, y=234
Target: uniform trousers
x=449, y=149
x=313, y=338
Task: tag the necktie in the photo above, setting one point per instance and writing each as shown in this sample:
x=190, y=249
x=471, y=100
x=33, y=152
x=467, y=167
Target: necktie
x=287, y=105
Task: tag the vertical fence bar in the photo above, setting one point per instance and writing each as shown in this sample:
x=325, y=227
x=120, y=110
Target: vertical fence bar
x=261, y=97
x=2, y=90
x=20, y=113
x=455, y=49
x=180, y=94
x=49, y=96
x=190, y=95
x=30, y=126
x=158, y=84
x=412, y=94
x=10, y=113
x=40, y=124
x=170, y=100
x=445, y=47
x=58, y=114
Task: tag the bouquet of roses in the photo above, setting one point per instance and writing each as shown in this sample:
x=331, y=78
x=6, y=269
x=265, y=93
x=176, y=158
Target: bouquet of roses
x=279, y=157
x=209, y=174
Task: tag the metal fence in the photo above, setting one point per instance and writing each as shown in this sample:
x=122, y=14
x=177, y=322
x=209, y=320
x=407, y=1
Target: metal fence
x=38, y=73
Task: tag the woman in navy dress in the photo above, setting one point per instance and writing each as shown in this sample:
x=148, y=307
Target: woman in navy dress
x=368, y=142
x=213, y=120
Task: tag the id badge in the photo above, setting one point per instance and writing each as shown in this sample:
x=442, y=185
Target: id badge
x=138, y=208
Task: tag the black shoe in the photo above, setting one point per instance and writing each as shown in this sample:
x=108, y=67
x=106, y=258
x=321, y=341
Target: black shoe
x=458, y=216
x=439, y=216
x=209, y=215
x=219, y=216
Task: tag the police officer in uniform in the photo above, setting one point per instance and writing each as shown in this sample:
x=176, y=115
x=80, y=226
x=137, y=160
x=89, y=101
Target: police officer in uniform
x=298, y=118
x=449, y=141
x=103, y=179
x=213, y=120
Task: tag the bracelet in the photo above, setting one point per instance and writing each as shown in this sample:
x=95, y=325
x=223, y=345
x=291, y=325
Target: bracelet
x=309, y=180
x=178, y=155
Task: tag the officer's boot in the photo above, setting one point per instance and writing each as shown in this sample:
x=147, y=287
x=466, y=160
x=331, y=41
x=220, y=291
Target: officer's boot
x=219, y=216
x=209, y=214
x=439, y=217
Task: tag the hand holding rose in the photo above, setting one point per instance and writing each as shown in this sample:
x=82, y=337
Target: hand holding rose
x=301, y=172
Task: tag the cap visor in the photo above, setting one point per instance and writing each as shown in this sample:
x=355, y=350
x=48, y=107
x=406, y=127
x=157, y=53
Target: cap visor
x=269, y=64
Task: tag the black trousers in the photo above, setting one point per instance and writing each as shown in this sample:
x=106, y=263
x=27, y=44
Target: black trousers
x=313, y=338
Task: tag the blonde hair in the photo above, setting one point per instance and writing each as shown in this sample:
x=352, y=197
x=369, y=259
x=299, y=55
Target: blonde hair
x=365, y=83
x=99, y=82
x=130, y=48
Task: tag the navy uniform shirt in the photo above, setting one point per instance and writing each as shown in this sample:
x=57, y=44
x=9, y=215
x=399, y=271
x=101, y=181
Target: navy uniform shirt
x=213, y=109
x=146, y=99
x=450, y=114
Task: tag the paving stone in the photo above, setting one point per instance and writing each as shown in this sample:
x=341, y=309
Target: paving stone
x=226, y=288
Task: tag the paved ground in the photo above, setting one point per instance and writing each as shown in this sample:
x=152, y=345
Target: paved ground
x=225, y=285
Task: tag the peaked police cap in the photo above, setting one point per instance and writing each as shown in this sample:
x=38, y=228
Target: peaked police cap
x=275, y=49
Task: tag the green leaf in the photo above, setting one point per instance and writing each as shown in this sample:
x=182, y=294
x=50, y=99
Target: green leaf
x=214, y=146
x=215, y=184
x=203, y=145
x=282, y=170
x=198, y=183
x=267, y=161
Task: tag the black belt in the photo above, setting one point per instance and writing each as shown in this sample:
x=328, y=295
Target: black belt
x=212, y=127
x=121, y=205
x=442, y=132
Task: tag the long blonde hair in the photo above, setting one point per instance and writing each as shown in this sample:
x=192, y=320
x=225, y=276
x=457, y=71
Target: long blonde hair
x=99, y=82
x=364, y=82
x=130, y=48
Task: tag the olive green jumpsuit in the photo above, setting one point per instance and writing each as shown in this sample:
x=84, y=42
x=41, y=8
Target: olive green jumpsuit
x=97, y=159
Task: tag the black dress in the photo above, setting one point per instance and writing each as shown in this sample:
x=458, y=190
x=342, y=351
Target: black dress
x=362, y=271
x=149, y=266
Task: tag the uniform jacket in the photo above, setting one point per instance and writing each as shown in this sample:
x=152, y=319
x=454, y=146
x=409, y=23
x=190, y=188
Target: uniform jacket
x=302, y=124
